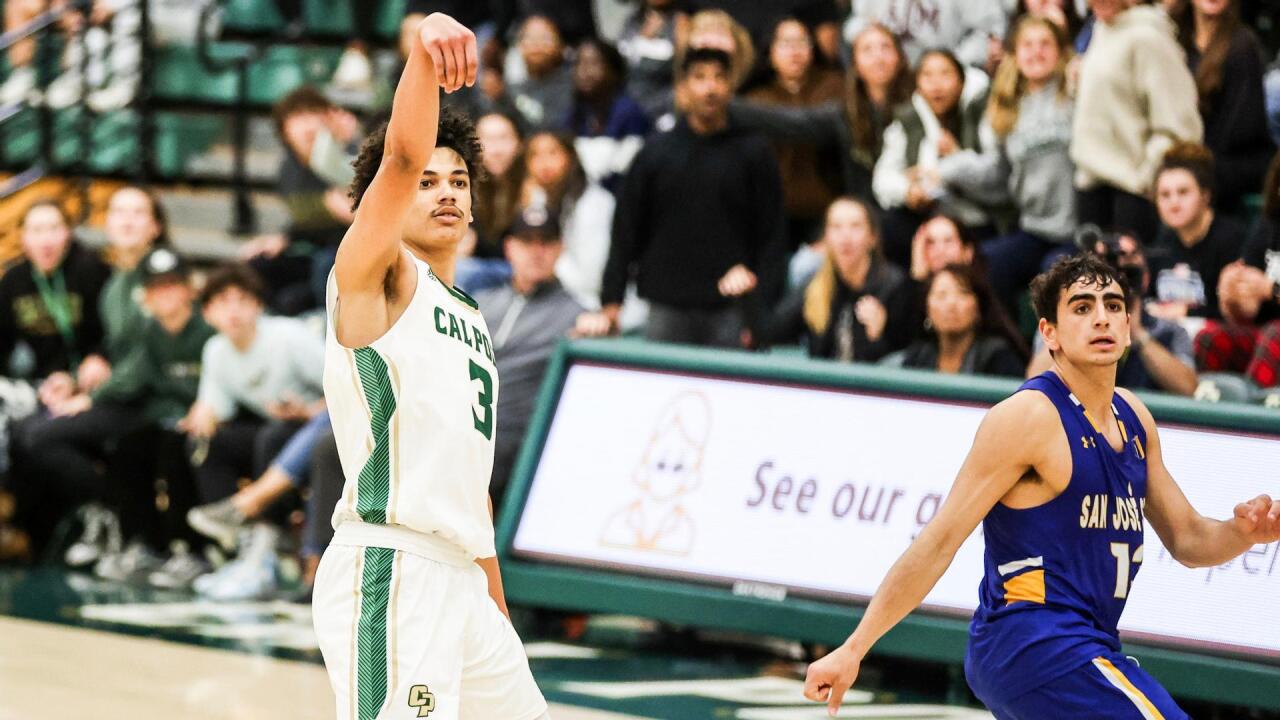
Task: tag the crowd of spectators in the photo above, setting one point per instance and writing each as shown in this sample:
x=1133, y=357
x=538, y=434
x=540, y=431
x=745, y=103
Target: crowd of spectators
x=874, y=186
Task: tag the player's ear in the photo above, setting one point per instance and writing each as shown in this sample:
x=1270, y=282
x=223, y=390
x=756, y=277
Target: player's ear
x=1049, y=331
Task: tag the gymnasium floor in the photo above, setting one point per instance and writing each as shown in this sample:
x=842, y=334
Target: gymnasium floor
x=72, y=646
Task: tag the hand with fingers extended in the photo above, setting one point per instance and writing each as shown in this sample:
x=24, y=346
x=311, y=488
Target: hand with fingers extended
x=831, y=677
x=451, y=48
x=1258, y=520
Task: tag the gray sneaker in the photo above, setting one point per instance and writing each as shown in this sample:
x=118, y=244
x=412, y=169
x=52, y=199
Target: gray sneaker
x=182, y=567
x=219, y=521
x=135, y=563
x=101, y=537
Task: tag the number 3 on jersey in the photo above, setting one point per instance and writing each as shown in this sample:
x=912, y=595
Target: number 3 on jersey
x=484, y=418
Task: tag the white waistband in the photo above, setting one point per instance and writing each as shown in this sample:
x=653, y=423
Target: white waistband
x=399, y=537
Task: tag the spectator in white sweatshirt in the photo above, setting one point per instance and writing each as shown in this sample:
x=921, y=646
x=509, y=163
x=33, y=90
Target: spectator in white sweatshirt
x=1125, y=121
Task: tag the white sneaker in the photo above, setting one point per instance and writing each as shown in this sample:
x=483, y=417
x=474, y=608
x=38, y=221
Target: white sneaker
x=65, y=90
x=354, y=71
x=18, y=87
x=115, y=96
x=252, y=576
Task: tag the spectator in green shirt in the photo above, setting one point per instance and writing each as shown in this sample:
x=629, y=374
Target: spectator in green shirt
x=135, y=224
x=150, y=387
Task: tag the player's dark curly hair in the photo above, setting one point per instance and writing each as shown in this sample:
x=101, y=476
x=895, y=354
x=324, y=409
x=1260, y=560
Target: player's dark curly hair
x=456, y=132
x=1047, y=287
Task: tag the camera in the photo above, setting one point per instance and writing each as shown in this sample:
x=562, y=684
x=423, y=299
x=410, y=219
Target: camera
x=1089, y=237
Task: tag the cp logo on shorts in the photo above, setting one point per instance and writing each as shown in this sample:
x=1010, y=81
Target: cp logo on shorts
x=422, y=699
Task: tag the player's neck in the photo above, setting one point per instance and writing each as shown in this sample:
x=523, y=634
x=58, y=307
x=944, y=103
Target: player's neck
x=443, y=260
x=1093, y=386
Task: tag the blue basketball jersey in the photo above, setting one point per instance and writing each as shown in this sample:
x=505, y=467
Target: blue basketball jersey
x=1057, y=575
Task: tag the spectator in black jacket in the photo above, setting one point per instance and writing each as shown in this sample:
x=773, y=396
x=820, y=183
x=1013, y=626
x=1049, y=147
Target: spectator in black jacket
x=856, y=307
x=966, y=331
x=49, y=300
x=699, y=220
x=1247, y=340
x=1195, y=242
x=1226, y=60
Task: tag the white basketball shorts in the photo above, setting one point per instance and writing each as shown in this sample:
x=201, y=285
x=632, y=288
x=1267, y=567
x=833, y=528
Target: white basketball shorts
x=411, y=632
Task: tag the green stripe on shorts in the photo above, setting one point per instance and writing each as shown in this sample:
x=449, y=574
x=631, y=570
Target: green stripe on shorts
x=371, y=643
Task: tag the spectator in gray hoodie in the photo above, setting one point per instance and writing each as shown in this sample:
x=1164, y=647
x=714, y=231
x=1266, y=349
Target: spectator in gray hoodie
x=1030, y=115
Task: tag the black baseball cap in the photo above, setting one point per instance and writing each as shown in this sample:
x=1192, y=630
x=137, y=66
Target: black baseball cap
x=162, y=264
x=536, y=222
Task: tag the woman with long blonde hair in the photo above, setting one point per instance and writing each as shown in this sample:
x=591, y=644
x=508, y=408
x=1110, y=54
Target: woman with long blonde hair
x=856, y=306
x=1030, y=115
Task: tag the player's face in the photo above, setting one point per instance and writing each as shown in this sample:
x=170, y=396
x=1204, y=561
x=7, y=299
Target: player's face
x=45, y=237
x=442, y=209
x=1092, y=327
x=233, y=313
x=1180, y=199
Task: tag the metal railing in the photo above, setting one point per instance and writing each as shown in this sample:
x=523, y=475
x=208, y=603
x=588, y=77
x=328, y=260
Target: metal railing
x=46, y=64
x=244, y=219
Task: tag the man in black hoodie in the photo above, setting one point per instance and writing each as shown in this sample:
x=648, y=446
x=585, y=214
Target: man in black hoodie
x=699, y=221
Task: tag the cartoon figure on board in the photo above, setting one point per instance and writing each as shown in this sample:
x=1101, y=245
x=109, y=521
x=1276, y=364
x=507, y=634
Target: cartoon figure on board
x=669, y=469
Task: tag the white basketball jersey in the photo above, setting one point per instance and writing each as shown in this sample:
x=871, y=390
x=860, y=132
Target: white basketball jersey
x=413, y=416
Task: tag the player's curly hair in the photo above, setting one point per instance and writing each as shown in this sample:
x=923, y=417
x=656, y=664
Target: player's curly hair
x=456, y=132
x=1047, y=287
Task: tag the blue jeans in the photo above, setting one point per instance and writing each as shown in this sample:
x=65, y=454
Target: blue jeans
x=1014, y=259
x=295, y=458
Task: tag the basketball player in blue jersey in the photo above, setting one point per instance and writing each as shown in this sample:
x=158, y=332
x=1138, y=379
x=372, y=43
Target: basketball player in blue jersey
x=1062, y=475
x=408, y=605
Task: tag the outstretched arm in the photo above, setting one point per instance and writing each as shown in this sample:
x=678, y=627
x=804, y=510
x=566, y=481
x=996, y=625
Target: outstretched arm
x=1193, y=539
x=444, y=55
x=993, y=467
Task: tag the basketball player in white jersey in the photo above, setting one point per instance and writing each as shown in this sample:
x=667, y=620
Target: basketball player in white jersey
x=408, y=601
